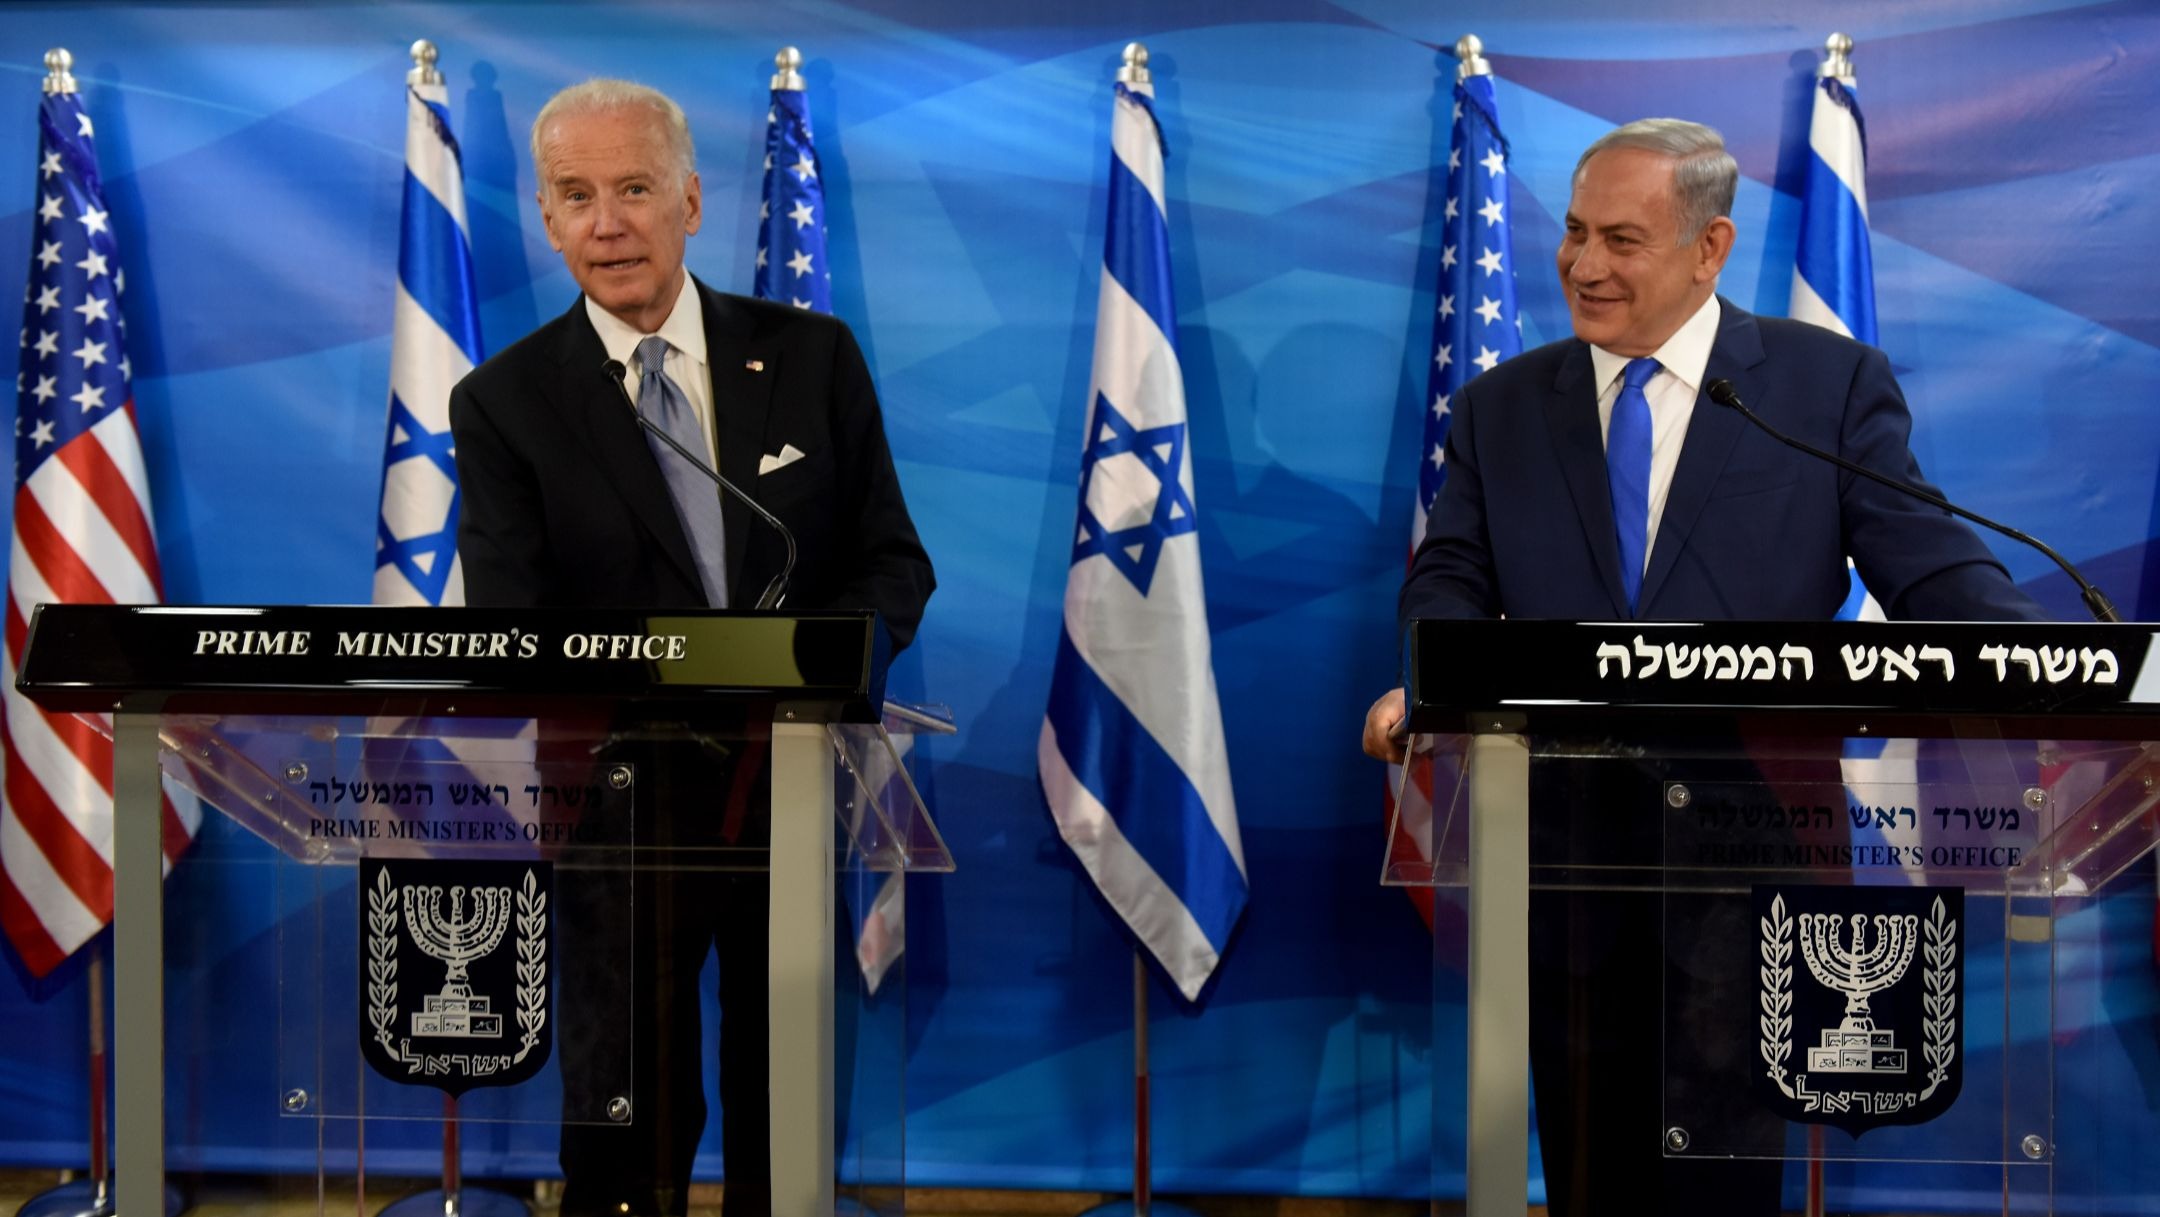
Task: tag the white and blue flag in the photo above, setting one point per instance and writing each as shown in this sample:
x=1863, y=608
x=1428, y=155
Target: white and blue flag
x=434, y=342
x=791, y=262
x=1131, y=756
x=1834, y=287
x=1834, y=267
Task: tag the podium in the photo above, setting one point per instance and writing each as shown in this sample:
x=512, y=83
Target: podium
x=470, y=825
x=1837, y=862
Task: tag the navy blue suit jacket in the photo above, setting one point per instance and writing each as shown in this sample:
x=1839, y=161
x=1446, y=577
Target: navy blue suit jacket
x=1752, y=529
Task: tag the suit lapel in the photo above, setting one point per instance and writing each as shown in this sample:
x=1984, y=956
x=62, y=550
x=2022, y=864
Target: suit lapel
x=594, y=408
x=743, y=373
x=1712, y=432
x=1571, y=414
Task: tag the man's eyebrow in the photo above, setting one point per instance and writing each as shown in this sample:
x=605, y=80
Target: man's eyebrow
x=1617, y=226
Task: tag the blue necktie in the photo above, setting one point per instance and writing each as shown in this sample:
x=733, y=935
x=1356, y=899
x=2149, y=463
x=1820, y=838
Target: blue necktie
x=1627, y=467
x=697, y=499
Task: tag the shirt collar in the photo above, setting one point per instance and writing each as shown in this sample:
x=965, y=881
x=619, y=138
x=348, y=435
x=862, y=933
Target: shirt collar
x=684, y=328
x=1686, y=354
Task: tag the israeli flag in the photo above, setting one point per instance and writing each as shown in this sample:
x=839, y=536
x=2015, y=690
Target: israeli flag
x=1834, y=287
x=1834, y=267
x=1131, y=754
x=434, y=342
x=1834, y=271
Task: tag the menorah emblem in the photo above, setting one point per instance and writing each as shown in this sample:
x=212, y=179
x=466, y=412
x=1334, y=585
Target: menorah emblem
x=1859, y=969
x=486, y=922
x=1891, y=952
x=457, y=939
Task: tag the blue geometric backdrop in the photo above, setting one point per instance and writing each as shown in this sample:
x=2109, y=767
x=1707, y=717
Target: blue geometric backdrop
x=252, y=156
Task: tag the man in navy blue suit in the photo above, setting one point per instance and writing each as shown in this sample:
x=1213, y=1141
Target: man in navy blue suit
x=1592, y=479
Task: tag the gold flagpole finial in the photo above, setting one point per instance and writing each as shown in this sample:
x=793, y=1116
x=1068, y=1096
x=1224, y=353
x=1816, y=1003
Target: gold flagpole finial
x=788, y=78
x=58, y=78
x=1135, y=70
x=1470, y=54
x=423, y=69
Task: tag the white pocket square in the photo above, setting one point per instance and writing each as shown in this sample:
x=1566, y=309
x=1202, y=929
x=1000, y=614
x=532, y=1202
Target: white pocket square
x=788, y=455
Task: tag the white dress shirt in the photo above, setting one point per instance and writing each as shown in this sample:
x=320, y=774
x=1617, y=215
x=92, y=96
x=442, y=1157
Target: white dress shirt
x=684, y=330
x=1671, y=394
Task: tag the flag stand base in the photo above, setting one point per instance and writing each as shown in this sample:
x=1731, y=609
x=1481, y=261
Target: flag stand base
x=453, y=1198
x=1126, y=1208
x=469, y=1202
x=81, y=1199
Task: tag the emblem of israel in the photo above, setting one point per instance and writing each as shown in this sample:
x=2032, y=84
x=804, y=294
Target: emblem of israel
x=455, y=971
x=1873, y=1008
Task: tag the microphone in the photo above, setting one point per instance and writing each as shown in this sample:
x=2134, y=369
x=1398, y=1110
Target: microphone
x=2096, y=602
x=775, y=591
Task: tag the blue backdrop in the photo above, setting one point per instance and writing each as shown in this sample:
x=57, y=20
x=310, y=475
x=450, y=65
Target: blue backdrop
x=253, y=160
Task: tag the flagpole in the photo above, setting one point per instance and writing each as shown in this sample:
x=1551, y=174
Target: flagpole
x=91, y=1196
x=1836, y=65
x=1141, y=1135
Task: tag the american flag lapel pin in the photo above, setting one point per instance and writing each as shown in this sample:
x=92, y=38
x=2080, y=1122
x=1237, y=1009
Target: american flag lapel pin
x=755, y=365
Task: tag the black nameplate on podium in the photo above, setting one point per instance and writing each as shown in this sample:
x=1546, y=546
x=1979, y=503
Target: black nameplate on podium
x=472, y=661
x=1817, y=677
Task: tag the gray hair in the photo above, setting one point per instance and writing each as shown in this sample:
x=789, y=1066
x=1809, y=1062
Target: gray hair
x=1704, y=173
x=602, y=94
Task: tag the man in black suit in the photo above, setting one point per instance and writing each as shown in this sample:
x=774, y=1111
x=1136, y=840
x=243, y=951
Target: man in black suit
x=567, y=502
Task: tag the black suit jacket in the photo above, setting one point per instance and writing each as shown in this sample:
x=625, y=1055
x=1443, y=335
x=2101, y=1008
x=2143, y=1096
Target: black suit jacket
x=564, y=504
x=1752, y=530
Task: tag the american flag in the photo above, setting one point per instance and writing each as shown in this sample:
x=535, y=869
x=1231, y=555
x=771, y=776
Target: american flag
x=791, y=262
x=791, y=266
x=82, y=534
x=1475, y=326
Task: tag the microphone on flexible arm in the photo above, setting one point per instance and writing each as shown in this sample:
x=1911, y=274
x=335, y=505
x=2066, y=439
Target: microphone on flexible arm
x=2096, y=602
x=775, y=591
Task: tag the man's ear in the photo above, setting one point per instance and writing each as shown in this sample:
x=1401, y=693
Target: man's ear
x=693, y=205
x=1712, y=247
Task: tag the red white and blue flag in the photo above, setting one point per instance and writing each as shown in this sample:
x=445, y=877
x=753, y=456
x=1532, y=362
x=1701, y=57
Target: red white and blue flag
x=791, y=263
x=1475, y=326
x=791, y=267
x=82, y=535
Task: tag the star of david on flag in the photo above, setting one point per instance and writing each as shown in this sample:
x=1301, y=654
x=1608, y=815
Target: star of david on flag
x=82, y=534
x=1132, y=498
x=791, y=263
x=434, y=342
x=1131, y=754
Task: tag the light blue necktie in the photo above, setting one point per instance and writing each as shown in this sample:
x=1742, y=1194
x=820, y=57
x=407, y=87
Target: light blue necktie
x=1627, y=468
x=697, y=499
